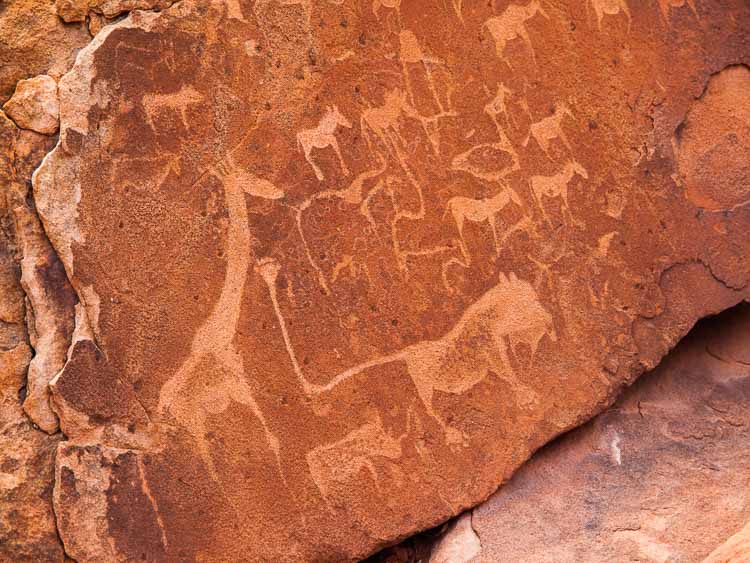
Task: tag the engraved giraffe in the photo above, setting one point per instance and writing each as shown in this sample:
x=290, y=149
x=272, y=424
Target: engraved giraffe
x=556, y=186
x=213, y=343
x=611, y=8
x=321, y=137
x=550, y=128
x=511, y=24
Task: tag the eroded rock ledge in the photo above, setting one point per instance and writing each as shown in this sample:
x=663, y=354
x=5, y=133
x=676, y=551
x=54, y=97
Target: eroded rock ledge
x=356, y=263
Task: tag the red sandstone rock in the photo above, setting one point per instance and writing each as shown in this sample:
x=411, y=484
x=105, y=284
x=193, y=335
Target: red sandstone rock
x=343, y=266
x=27, y=524
x=35, y=41
x=661, y=476
x=735, y=550
x=34, y=105
x=79, y=10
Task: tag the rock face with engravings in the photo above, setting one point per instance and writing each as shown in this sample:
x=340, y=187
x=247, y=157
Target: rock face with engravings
x=342, y=266
x=660, y=476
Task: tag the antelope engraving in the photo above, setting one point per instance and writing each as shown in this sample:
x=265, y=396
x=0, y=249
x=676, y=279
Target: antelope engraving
x=322, y=137
x=178, y=102
x=480, y=210
x=611, y=8
x=666, y=7
x=556, y=186
x=511, y=24
x=338, y=462
x=550, y=128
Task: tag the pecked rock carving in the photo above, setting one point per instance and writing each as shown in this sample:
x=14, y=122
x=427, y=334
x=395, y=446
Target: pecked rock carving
x=342, y=267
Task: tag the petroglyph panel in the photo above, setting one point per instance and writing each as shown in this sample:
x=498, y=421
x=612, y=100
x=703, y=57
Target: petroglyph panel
x=342, y=266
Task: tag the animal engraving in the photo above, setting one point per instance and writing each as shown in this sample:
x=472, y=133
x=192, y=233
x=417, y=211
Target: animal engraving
x=341, y=461
x=353, y=195
x=550, y=128
x=322, y=137
x=610, y=7
x=412, y=54
x=506, y=316
x=480, y=210
x=511, y=24
x=153, y=104
x=556, y=186
x=666, y=7
x=391, y=4
x=499, y=105
x=212, y=350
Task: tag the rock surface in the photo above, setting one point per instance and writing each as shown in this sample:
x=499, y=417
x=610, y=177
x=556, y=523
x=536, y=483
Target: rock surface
x=79, y=10
x=35, y=41
x=27, y=524
x=661, y=476
x=34, y=105
x=240, y=338
x=342, y=267
x=735, y=550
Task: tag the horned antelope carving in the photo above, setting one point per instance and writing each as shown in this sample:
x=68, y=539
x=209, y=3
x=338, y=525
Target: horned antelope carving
x=556, y=186
x=322, y=136
x=511, y=24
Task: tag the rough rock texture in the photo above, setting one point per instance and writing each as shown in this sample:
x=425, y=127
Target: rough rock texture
x=342, y=266
x=661, y=476
x=34, y=105
x=33, y=41
x=79, y=10
x=27, y=525
x=735, y=550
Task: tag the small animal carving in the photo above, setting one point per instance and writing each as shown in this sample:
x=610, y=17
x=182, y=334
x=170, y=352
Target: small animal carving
x=666, y=6
x=498, y=105
x=550, y=128
x=556, y=186
x=321, y=137
x=512, y=24
x=153, y=104
x=611, y=8
x=479, y=210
